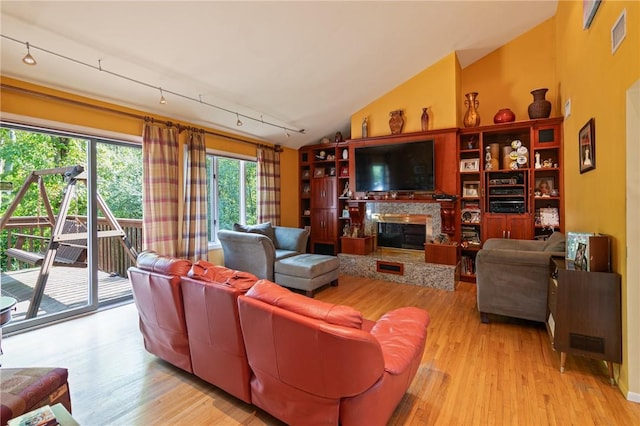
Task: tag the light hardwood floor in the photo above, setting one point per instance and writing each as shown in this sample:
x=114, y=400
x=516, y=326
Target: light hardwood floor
x=503, y=373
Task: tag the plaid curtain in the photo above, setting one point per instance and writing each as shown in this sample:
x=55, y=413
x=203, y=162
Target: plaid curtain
x=194, y=224
x=268, y=186
x=160, y=189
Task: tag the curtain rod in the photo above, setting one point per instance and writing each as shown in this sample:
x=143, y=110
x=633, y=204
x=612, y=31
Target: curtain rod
x=33, y=93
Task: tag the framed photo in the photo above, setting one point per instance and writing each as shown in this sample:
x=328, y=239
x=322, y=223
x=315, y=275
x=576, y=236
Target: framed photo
x=545, y=187
x=589, y=9
x=332, y=171
x=470, y=165
x=318, y=172
x=471, y=189
x=306, y=189
x=344, y=171
x=587, y=146
x=549, y=217
x=305, y=174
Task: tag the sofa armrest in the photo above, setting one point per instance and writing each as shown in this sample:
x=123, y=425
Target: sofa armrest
x=402, y=334
x=249, y=252
x=509, y=244
x=294, y=239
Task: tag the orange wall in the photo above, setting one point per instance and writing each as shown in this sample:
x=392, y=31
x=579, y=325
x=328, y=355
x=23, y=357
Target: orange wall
x=434, y=87
x=505, y=77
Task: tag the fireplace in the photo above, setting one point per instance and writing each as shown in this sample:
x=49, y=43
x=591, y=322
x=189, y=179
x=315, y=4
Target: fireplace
x=402, y=231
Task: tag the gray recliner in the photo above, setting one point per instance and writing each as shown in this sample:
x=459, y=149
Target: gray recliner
x=512, y=276
x=254, y=252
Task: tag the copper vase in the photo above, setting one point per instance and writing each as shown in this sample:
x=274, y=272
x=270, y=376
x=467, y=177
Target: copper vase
x=471, y=117
x=396, y=122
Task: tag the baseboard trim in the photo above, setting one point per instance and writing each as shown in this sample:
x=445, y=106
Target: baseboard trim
x=633, y=397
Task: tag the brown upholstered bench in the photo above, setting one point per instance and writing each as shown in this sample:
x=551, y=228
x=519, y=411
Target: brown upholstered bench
x=25, y=389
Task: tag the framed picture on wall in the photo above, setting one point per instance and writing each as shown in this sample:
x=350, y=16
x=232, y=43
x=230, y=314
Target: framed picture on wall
x=587, y=146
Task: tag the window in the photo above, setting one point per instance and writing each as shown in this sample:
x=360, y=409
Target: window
x=232, y=193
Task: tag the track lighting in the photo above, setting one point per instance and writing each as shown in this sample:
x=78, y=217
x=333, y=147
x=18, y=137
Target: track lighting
x=28, y=59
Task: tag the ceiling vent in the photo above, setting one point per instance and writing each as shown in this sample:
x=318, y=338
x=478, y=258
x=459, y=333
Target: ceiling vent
x=618, y=31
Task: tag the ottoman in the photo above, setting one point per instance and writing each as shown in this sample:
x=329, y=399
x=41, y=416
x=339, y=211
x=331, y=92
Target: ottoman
x=307, y=272
x=25, y=389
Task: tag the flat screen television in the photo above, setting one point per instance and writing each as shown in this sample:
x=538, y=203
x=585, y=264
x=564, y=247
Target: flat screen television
x=407, y=166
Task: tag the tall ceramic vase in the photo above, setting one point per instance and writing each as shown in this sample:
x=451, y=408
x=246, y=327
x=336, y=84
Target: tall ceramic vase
x=396, y=122
x=424, y=119
x=471, y=117
x=540, y=107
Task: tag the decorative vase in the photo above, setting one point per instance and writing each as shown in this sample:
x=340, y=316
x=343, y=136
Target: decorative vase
x=471, y=117
x=540, y=107
x=365, y=128
x=424, y=119
x=504, y=115
x=396, y=122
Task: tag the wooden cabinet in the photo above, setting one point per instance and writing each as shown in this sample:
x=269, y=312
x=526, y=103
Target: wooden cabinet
x=323, y=169
x=324, y=229
x=324, y=193
x=584, y=313
x=510, y=184
x=516, y=226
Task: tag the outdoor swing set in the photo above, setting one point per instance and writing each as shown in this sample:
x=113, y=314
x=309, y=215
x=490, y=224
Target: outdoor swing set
x=67, y=244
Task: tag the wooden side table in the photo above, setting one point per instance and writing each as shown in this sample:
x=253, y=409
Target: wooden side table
x=584, y=313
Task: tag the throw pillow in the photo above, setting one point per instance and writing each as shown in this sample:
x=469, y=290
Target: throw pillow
x=262, y=228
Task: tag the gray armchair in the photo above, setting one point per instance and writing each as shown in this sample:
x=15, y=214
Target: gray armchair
x=256, y=249
x=512, y=276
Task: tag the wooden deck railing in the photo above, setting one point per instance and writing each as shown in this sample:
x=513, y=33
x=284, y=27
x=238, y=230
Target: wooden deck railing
x=112, y=257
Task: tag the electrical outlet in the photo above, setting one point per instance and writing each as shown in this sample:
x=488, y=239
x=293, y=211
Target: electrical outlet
x=567, y=108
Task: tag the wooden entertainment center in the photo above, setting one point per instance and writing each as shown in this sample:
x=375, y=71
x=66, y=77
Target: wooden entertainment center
x=497, y=193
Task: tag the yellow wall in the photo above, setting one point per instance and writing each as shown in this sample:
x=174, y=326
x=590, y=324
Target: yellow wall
x=596, y=82
x=434, y=87
x=505, y=77
x=48, y=109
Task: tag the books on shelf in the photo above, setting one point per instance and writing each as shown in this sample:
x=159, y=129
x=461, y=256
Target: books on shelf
x=42, y=416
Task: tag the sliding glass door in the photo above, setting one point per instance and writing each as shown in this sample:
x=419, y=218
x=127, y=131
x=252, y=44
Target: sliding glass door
x=61, y=248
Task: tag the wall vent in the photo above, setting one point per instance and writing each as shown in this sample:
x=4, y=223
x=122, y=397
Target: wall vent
x=619, y=31
x=586, y=343
x=390, y=267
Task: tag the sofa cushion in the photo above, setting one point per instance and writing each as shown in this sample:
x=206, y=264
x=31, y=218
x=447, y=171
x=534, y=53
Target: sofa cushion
x=205, y=271
x=272, y=294
x=153, y=262
x=261, y=228
x=555, y=242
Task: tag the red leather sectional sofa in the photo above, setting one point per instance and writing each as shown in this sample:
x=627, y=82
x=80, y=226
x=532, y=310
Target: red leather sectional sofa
x=302, y=360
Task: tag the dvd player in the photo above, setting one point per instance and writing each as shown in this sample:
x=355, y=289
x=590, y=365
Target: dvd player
x=506, y=206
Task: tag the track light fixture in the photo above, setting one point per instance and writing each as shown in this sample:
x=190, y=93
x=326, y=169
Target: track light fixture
x=28, y=59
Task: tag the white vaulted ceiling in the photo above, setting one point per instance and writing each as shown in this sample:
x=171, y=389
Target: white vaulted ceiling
x=300, y=64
